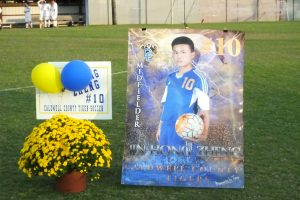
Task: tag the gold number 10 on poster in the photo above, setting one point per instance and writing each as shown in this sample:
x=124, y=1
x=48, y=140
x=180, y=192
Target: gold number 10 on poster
x=233, y=46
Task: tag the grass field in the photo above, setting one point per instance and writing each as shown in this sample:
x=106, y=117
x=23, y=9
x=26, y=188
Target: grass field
x=271, y=110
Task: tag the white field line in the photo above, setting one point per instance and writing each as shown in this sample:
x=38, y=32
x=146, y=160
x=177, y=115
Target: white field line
x=31, y=86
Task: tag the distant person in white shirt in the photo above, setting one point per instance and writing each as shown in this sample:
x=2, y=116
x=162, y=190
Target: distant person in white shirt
x=53, y=12
x=44, y=13
x=0, y=19
x=41, y=5
x=28, y=22
x=47, y=15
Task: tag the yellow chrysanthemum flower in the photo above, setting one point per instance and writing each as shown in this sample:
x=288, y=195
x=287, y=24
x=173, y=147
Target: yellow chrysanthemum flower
x=61, y=144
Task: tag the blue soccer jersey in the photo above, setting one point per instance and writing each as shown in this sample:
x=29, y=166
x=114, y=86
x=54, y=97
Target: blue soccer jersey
x=181, y=95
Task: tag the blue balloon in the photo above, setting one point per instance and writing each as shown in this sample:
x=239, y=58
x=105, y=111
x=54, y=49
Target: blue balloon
x=76, y=75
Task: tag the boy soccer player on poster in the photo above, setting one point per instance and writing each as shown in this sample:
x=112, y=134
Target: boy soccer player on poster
x=185, y=89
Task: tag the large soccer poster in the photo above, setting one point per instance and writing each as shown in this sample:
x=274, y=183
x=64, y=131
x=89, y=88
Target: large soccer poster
x=184, y=123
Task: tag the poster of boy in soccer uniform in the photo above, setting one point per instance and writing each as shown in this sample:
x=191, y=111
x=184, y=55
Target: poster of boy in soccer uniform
x=185, y=89
x=178, y=72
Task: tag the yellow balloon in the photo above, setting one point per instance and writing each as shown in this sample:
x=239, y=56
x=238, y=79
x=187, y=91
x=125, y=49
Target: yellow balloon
x=46, y=77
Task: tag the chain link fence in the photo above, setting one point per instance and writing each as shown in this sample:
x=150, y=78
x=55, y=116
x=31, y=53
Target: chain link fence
x=98, y=12
x=189, y=11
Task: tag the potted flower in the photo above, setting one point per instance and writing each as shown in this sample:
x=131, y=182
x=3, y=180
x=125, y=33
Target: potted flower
x=66, y=148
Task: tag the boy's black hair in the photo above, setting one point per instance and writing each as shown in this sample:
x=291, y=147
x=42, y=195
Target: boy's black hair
x=184, y=40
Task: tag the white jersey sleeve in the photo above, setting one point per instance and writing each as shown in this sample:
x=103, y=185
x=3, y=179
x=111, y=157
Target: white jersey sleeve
x=203, y=99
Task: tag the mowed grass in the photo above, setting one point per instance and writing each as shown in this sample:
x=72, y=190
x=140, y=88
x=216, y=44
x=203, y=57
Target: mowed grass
x=271, y=109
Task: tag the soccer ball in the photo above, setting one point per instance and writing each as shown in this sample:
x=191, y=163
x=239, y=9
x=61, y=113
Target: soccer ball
x=189, y=126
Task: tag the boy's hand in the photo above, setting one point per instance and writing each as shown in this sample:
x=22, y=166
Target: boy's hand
x=201, y=137
x=157, y=134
